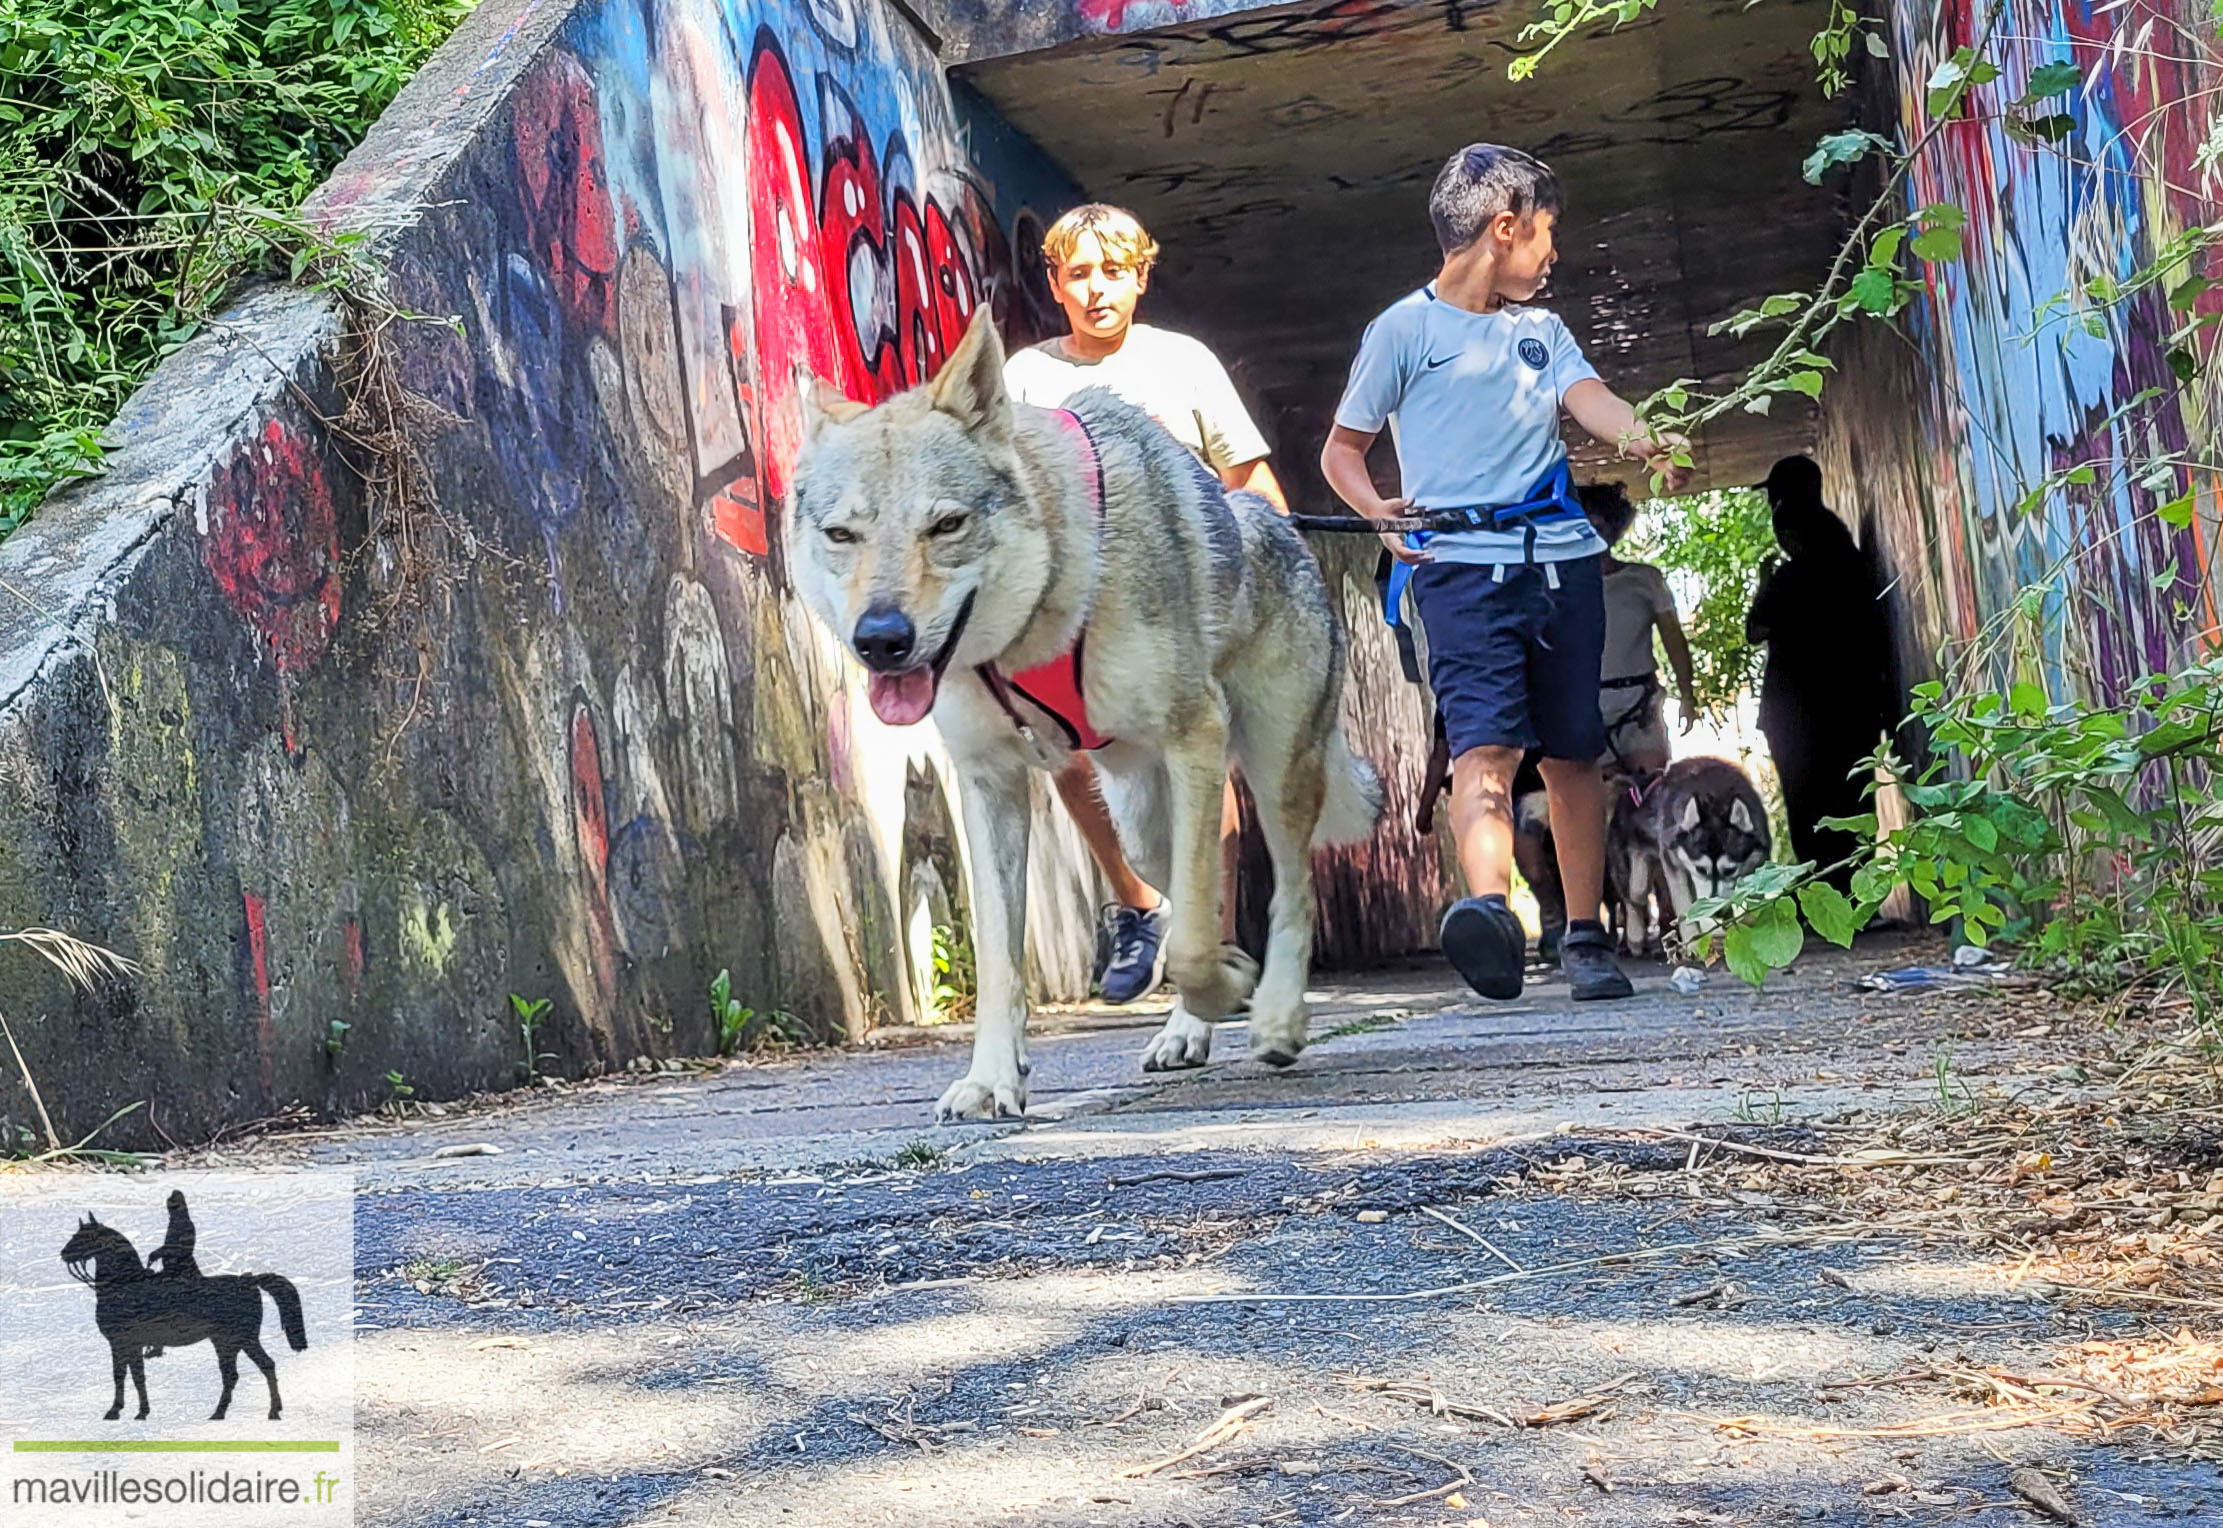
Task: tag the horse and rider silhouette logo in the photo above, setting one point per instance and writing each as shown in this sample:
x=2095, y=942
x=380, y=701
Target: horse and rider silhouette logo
x=167, y=1302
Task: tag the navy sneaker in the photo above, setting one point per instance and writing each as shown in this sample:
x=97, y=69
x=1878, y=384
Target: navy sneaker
x=1547, y=944
x=1485, y=943
x=1137, y=942
x=1586, y=955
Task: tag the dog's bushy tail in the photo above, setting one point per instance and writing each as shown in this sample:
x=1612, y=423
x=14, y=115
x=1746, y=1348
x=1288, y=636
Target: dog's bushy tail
x=1354, y=796
x=281, y=1289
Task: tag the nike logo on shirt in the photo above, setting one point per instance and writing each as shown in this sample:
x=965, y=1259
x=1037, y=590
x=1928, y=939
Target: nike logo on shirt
x=1445, y=360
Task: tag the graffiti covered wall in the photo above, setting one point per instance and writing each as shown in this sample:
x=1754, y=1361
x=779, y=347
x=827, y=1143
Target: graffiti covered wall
x=341, y=772
x=2021, y=371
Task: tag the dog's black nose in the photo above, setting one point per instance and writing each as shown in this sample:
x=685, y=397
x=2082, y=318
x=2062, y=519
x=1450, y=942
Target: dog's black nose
x=885, y=639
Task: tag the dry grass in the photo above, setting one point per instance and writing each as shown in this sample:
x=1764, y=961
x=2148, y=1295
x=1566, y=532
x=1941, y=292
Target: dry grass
x=2101, y=1188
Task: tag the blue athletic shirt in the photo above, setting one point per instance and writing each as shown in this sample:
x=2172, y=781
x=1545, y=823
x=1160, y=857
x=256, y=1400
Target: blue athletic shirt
x=1472, y=401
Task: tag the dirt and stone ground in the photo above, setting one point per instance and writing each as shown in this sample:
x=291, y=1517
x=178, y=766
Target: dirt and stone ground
x=1466, y=1264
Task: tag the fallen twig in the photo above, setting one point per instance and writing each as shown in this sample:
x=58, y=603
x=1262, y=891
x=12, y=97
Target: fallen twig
x=1142, y=1404
x=1473, y=1235
x=1466, y=1478
x=1472, y=1286
x=1170, y=1176
x=1435, y=1400
x=1879, y=1157
x=1225, y=1426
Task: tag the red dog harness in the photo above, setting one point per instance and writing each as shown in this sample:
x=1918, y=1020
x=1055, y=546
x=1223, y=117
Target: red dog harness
x=1055, y=687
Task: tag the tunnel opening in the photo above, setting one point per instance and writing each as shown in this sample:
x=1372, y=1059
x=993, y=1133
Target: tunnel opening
x=1282, y=157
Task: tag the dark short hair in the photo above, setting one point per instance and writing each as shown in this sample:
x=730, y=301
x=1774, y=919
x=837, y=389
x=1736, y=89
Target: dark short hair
x=1608, y=507
x=1796, y=478
x=1483, y=180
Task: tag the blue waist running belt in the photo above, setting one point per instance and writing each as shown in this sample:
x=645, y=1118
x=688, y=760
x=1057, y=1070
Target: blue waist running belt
x=1551, y=501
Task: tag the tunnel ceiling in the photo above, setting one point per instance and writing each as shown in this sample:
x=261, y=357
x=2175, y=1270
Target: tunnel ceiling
x=1283, y=156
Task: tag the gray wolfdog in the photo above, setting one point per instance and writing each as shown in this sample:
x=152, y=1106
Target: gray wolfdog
x=1693, y=832
x=950, y=537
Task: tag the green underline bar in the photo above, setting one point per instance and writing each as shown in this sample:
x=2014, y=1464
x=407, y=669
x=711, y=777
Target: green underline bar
x=173, y=1446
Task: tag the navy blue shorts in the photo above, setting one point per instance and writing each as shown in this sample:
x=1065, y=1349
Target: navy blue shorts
x=1515, y=664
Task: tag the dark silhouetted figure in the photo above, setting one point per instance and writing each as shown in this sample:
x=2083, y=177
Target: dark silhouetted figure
x=175, y=1255
x=1824, y=699
x=141, y=1312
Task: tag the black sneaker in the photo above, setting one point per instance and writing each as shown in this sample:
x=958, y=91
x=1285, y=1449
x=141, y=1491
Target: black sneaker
x=1137, y=937
x=1586, y=955
x=1486, y=944
x=1547, y=944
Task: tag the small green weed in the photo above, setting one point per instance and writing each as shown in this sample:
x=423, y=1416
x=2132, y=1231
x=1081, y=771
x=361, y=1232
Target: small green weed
x=1954, y=1097
x=918, y=1154
x=531, y=1015
x=744, y=1031
x=951, y=1001
x=728, y=1015
x=1760, y=1109
x=1365, y=1025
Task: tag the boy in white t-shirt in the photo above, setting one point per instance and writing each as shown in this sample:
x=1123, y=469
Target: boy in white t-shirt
x=1471, y=383
x=1099, y=259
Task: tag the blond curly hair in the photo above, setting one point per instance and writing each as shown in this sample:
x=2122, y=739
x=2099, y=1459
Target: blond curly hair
x=1116, y=230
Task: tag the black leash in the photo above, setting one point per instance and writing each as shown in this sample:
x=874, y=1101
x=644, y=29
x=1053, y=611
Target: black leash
x=1431, y=520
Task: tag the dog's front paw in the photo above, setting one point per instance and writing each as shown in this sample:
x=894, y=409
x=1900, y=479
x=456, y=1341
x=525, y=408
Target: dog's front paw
x=1216, y=984
x=1277, y=1038
x=1186, y=1041
x=983, y=1098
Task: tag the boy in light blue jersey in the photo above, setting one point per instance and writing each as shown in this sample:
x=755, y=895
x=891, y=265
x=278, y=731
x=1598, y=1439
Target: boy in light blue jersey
x=1471, y=383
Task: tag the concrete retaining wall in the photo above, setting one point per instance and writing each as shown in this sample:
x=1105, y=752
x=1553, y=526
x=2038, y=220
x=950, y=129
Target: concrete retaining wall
x=341, y=773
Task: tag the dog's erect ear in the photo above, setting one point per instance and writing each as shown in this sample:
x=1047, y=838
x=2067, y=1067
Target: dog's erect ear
x=824, y=404
x=1740, y=816
x=1690, y=814
x=969, y=387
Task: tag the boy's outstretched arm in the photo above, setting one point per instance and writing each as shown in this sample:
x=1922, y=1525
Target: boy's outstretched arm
x=1609, y=420
x=1343, y=464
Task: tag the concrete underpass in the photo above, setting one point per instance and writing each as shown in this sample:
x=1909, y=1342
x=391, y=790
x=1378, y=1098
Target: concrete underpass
x=1807, y=1253
x=1282, y=156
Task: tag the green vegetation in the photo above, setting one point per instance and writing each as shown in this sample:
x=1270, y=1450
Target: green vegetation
x=530, y=1016
x=727, y=1015
x=151, y=155
x=2090, y=836
x=1711, y=546
x=919, y=1155
x=952, y=998
x=744, y=1031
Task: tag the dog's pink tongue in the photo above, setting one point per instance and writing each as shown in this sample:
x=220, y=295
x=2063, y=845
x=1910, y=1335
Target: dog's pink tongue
x=901, y=699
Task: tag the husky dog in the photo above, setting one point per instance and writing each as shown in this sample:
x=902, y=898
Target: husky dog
x=1695, y=832
x=950, y=537
x=1634, y=874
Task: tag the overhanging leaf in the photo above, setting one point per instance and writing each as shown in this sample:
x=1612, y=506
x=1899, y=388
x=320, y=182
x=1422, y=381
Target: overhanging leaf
x=1738, y=947
x=2057, y=78
x=1777, y=936
x=1829, y=912
x=1937, y=244
x=1874, y=291
x=1833, y=149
